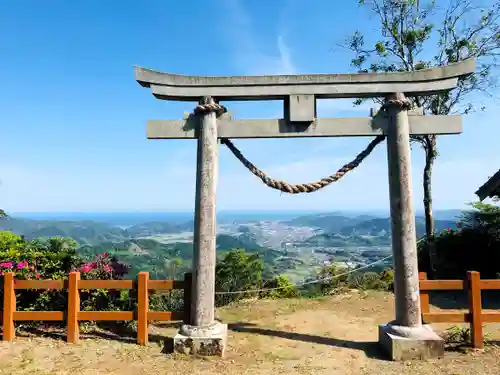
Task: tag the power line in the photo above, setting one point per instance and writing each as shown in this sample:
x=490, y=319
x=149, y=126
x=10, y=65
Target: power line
x=314, y=281
x=308, y=282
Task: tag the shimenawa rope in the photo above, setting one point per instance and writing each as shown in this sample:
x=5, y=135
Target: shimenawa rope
x=285, y=187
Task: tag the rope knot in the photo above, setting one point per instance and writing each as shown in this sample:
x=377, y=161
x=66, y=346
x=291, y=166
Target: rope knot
x=206, y=108
x=404, y=104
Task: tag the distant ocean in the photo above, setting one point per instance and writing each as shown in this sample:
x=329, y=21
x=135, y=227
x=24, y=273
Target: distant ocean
x=133, y=218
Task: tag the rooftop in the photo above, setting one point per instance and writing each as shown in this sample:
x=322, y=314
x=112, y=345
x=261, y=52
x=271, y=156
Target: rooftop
x=490, y=188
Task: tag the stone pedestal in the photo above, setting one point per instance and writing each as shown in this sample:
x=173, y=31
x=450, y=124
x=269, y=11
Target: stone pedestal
x=204, y=341
x=410, y=343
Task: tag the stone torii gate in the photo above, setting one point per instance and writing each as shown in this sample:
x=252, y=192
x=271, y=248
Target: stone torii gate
x=404, y=338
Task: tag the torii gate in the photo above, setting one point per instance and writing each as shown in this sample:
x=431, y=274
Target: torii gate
x=406, y=337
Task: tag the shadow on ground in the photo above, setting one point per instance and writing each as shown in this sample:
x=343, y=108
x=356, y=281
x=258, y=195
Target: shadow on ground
x=459, y=300
x=110, y=331
x=370, y=348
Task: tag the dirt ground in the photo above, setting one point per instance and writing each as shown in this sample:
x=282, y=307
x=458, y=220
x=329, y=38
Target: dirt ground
x=334, y=335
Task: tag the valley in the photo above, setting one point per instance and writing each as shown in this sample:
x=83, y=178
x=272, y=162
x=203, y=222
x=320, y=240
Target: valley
x=297, y=247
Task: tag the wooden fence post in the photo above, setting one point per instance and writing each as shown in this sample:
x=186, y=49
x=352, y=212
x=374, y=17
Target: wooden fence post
x=476, y=324
x=73, y=325
x=9, y=307
x=424, y=297
x=188, y=277
x=142, y=308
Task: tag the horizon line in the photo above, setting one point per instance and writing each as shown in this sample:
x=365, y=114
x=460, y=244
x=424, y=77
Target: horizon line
x=218, y=212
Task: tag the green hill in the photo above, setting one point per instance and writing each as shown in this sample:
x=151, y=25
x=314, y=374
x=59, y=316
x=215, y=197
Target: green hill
x=88, y=232
x=379, y=227
x=329, y=222
x=83, y=232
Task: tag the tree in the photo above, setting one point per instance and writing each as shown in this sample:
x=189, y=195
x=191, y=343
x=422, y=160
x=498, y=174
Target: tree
x=3, y=215
x=418, y=35
x=474, y=245
x=238, y=271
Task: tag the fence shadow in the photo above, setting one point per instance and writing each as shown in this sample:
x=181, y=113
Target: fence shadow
x=459, y=300
x=113, y=331
x=370, y=348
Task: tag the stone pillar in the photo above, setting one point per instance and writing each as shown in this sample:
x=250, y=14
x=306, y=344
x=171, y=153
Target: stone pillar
x=203, y=297
x=204, y=335
x=405, y=338
x=404, y=240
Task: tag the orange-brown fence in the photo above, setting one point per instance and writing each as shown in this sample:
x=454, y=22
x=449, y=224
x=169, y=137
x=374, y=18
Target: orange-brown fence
x=73, y=314
x=476, y=315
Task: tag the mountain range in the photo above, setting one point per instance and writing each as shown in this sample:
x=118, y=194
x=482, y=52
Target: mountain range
x=286, y=245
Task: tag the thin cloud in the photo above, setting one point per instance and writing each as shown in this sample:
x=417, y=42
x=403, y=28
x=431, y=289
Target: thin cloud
x=248, y=54
x=285, y=56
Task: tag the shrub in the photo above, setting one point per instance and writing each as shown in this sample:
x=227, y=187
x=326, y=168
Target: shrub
x=475, y=245
x=333, y=279
x=238, y=271
x=283, y=288
x=337, y=279
x=105, y=267
x=54, y=259
x=373, y=281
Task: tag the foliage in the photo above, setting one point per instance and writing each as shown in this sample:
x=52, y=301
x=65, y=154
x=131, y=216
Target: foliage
x=373, y=281
x=458, y=336
x=283, y=288
x=333, y=279
x=238, y=271
x=336, y=279
x=475, y=245
x=54, y=259
x=416, y=35
x=483, y=217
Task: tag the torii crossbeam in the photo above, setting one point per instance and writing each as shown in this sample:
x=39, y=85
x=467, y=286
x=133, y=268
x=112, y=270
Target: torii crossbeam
x=406, y=337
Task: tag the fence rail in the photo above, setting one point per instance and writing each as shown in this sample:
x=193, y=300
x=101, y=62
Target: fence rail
x=476, y=316
x=73, y=315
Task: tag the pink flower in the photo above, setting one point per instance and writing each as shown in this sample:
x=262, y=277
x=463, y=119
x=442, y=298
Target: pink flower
x=88, y=267
x=37, y=275
x=8, y=264
x=21, y=265
x=108, y=268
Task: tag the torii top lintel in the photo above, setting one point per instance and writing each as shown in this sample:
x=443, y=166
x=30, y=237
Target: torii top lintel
x=191, y=88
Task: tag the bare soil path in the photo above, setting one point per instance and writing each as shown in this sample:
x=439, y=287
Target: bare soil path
x=332, y=335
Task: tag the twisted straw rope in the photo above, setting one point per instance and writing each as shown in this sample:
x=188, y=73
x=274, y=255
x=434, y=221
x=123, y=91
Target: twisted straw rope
x=404, y=104
x=284, y=186
x=205, y=108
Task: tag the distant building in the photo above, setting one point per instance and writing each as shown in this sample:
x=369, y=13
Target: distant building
x=490, y=189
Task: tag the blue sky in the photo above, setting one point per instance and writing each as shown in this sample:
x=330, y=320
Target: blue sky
x=72, y=117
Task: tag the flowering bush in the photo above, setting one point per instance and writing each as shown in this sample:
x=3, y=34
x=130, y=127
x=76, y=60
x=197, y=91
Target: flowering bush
x=104, y=267
x=55, y=259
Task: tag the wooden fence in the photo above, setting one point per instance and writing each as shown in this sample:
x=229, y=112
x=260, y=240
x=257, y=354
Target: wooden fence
x=73, y=314
x=476, y=316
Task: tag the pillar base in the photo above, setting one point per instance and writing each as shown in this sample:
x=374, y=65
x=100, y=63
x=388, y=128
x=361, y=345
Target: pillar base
x=410, y=343
x=205, y=341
